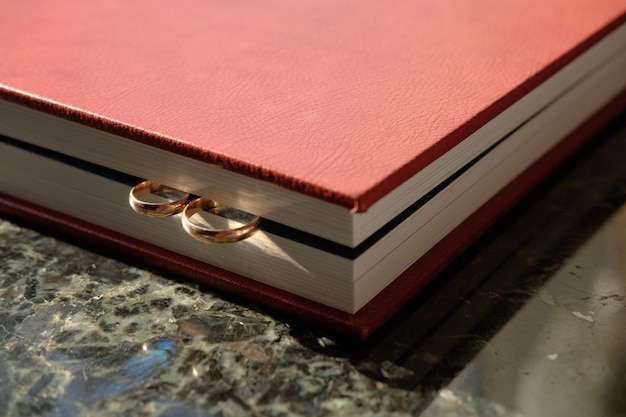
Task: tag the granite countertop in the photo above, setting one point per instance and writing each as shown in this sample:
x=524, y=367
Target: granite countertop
x=83, y=333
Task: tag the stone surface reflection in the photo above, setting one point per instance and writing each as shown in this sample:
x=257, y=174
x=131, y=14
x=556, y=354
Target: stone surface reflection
x=563, y=353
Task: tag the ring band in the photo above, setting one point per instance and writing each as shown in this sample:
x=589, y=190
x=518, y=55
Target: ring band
x=215, y=235
x=156, y=209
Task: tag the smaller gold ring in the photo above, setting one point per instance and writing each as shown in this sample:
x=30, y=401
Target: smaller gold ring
x=156, y=209
x=215, y=235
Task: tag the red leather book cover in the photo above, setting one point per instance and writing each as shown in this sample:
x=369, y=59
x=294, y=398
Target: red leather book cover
x=340, y=100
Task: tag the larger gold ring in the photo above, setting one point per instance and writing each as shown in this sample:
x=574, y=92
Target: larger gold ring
x=152, y=209
x=216, y=235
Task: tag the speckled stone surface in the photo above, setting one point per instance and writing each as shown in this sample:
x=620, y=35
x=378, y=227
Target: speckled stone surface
x=84, y=334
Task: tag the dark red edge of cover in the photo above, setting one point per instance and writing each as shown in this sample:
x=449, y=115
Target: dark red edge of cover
x=360, y=203
x=356, y=326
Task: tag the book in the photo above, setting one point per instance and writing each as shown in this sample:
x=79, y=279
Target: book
x=364, y=145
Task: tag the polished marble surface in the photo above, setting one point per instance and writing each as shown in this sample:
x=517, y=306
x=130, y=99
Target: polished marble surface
x=529, y=320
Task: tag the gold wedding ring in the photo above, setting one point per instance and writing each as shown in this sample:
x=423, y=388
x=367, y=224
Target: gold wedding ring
x=154, y=209
x=217, y=235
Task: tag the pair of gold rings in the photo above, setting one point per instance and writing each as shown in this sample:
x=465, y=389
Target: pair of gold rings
x=177, y=202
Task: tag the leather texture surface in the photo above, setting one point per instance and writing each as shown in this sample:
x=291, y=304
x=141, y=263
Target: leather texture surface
x=340, y=100
x=371, y=317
